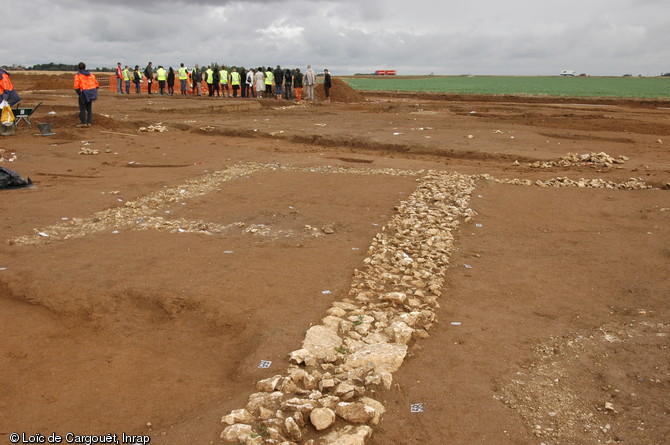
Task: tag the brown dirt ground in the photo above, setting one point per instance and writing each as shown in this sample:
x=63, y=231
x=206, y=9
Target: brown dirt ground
x=564, y=307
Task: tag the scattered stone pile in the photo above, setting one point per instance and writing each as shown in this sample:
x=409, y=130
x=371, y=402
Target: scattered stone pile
x=601, y=159
x=364, y=338
x=7, y=156
x=630, y=184
x=159, y=127
x=548, y=392
x=596, y=183
x=88, y=151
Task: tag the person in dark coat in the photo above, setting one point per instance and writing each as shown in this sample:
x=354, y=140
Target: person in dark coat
x=297, y=84
x=279, y=81
x=288, y=84
x=170, y=81
x=149, y=74
x=327, y=84
x=243, y=84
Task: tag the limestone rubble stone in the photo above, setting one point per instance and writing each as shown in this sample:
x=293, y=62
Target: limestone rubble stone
x=304, y=379
x=400, y=332
x=345, y=391
x=265, y=413
x=355, y=412
x=269, y=384
x=238, y=416
x=329, y=402
x=299, y=419
x=326, y=384
x=321, y=343
x=336, y=312
x=376, y=406
x=348, y=435
x=394, y=297
x=293, y=431
x=297, y=404
x=380, y=356
x=332, y=322
x=237, y=432
x=271, y=401
x=322, y=418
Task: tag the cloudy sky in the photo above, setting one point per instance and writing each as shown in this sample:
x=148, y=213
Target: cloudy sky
x=506, y=37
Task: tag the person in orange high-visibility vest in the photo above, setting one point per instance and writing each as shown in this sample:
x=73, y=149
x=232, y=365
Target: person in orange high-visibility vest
x=86, y=86
x=7, y=89
x=11, y=97
x=119, y=78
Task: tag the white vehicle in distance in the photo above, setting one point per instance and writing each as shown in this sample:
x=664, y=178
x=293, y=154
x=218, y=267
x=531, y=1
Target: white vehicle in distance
x=568, y=73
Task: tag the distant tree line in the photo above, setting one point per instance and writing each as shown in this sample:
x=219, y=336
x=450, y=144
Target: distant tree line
x=50, y=67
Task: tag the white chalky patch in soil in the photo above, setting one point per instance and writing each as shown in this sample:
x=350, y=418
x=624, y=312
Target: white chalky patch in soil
x=571, y=390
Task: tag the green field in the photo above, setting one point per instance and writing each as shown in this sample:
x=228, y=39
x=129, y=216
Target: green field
x=621, y=87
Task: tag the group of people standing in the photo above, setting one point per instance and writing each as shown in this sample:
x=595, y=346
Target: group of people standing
x=219, y=81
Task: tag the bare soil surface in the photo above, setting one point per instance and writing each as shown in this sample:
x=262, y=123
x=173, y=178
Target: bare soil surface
x=148, y=272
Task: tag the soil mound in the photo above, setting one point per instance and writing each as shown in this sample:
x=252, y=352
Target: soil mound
x=23, y=81
x=49, y=82
x=340, y=92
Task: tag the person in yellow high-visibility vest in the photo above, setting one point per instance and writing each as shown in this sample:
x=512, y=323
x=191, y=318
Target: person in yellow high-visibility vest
x=209, y=78
x=225, y=81
x=126, y=78
x=183, y=77
x=161, y=77
x=137, y=79
x=269, y=79
x=235, y=81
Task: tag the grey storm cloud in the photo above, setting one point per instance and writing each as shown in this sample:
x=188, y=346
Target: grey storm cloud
x=599, y=37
